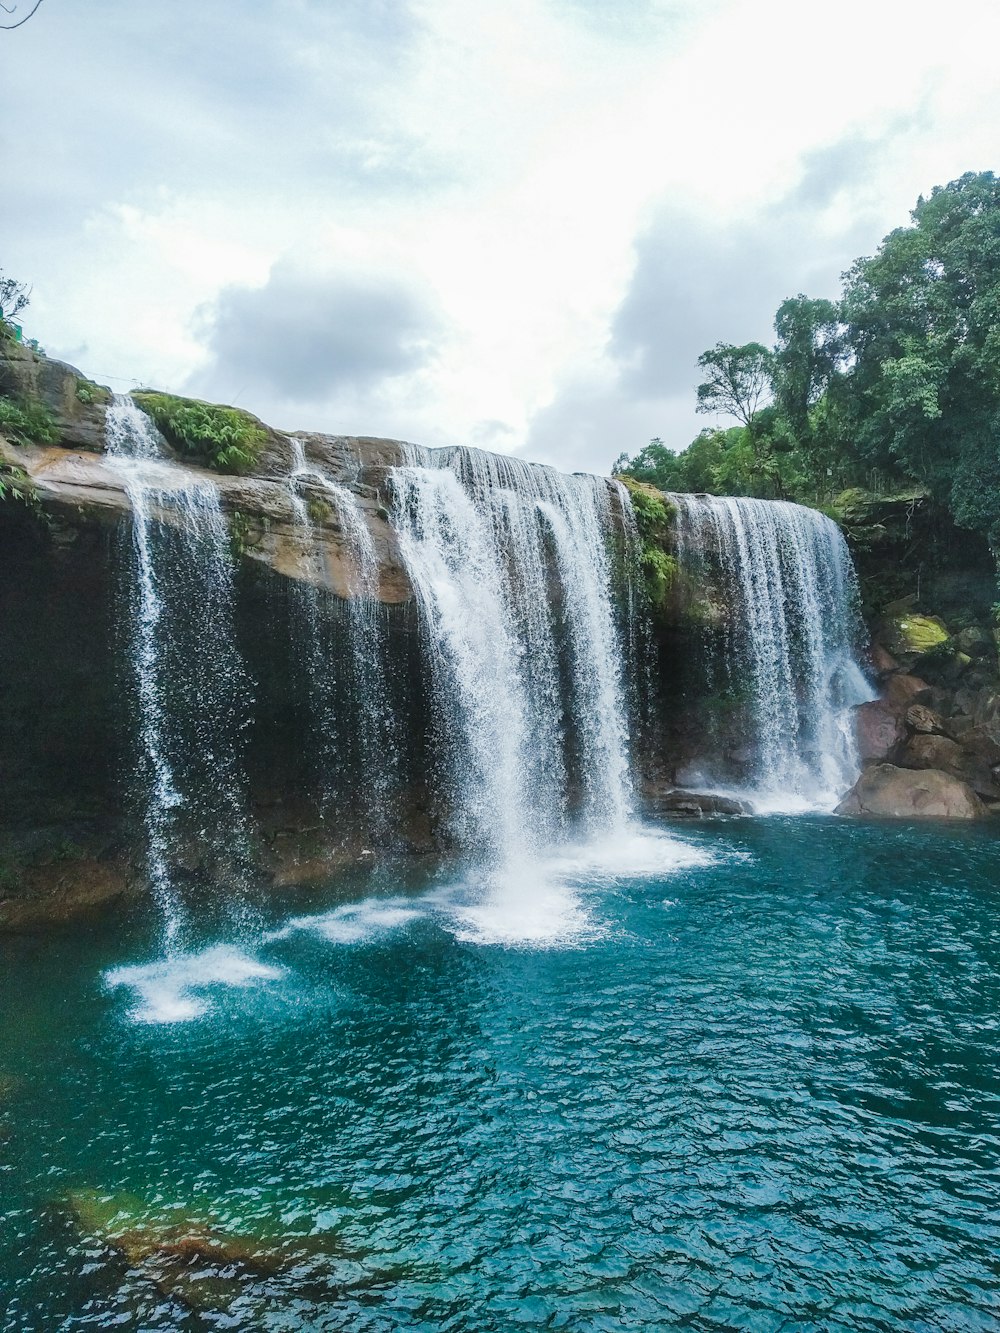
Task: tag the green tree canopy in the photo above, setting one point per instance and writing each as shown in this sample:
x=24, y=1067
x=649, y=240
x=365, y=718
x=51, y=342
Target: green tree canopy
x=737, y=380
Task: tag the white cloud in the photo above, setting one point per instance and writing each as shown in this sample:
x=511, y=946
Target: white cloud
x=582, y=192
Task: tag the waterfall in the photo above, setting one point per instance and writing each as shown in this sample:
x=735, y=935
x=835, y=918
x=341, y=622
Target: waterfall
x=782, y=579
x=352, y=718
x=190, y=692
x=511, y=570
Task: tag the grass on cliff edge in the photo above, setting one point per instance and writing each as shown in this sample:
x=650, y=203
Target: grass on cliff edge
x=26, y=422
x=225, y=438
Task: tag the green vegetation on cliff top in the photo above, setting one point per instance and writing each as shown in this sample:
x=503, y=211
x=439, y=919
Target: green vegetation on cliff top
x=653, y=514
x=225, y=438
x=895, y=387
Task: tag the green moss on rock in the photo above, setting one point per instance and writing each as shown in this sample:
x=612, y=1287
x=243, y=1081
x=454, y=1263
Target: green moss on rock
x=654, y=515
x=225, y=438
x=909, y=633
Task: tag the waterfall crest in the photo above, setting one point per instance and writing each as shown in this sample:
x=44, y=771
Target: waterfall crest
x=782, y=578
x=190, y=694
x=511, y=570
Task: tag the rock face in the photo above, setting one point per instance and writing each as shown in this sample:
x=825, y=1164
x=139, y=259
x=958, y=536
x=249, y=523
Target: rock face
x=880, y=730
x=683, y=804
x=900, y=793
x=75, y=483
x=947, y=726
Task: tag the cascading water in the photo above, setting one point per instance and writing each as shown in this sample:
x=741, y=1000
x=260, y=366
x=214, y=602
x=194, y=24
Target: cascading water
x=369, y=726
x=511, y=570
x=788, y=651
x=190, y=691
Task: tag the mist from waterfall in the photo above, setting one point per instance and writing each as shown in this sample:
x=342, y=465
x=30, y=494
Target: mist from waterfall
x=189, y=692
x=512, y=570
x=782, y=578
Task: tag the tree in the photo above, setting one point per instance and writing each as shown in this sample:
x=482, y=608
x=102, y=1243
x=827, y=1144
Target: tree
x=656, y=465
x=923, y=319
x=14, y=297
x=12, y=10
x=810, y=352
x=738, y=380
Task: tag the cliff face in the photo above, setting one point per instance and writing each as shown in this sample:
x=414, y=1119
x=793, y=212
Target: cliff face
x=68, y=837
x=74, y=484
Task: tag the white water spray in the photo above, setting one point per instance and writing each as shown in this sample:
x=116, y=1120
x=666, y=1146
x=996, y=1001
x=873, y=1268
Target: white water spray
x=511, y=569
x=790, y=599
x=191, y=695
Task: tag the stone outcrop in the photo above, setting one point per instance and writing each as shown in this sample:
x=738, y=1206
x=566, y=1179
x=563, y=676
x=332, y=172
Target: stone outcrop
x=76, y=484
x=880, y=730
x=679, y=803
x=900, y=793
x=945, y=726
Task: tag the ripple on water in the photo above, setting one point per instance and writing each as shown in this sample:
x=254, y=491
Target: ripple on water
x=773, y=1104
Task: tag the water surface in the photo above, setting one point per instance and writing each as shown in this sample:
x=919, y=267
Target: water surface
x=756, y=1089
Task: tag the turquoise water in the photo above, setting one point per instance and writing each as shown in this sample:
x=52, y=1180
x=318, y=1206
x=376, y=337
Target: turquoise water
x=758, y=1088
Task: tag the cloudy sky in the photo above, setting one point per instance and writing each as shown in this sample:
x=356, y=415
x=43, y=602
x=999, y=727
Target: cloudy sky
x=512, y=223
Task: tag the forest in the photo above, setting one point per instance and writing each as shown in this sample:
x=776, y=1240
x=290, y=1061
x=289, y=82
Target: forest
x=894, y=387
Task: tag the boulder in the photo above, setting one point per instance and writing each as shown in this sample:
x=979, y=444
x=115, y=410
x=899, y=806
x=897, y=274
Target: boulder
x=903, y=690
x=907, y=635
x=933, y=751
x=902, y=793
x=697, y=804
x=879, y=729
x=925, y=721
x=981, y=760
x=883, y=662
x=976, y=642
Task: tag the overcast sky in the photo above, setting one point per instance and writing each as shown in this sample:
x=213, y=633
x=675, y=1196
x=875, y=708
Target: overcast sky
x=511, y=223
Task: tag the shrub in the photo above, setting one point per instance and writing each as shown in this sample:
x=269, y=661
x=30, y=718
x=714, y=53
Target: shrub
x=13, y=485
x=225, y=438
x=653, y=517
x=27, y=422
x=88, y=392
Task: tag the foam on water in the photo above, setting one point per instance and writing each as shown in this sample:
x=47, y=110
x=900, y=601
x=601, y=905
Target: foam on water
x=172, y=989
x=354, y=923
x=545, y=902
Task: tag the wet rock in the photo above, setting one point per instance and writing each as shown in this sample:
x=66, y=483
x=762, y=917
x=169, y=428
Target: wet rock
x=696, y=804
x=903, y=793
x=55, y=891
x=879, y=730
x=883, y=662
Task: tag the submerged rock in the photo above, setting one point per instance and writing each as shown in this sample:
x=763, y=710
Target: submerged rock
x=903, y=793
x=204, y=1267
